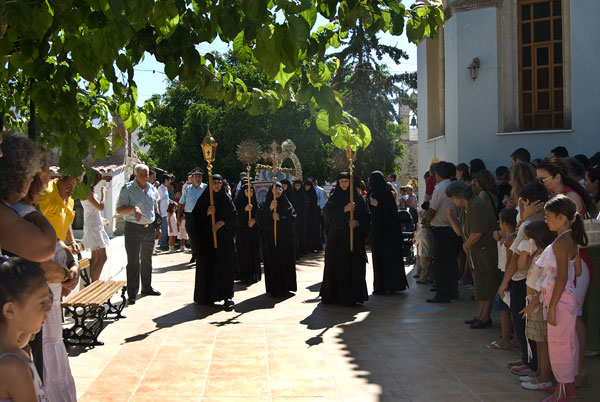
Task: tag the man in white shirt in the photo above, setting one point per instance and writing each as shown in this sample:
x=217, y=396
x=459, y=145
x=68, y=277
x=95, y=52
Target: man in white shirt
x=187, y=202
x=447, y=243
x=163, y=203
x=321, y=201
x=391, y=178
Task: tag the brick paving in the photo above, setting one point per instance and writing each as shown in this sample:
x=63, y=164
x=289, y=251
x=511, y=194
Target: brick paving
x=394, y=348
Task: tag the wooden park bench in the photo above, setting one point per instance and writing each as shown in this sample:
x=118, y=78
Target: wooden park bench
x=89, y=308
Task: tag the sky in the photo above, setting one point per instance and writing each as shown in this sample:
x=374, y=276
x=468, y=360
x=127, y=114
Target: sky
x=151, y=79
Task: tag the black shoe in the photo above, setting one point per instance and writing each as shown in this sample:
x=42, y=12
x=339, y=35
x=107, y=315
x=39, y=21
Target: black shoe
x=151, y=292
x=130, y=301
x=471, y=322
x=480, y=324
x=438, y=300
x=228, y=305
x=193, y=259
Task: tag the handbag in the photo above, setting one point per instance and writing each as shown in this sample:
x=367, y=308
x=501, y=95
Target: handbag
x=592, y=230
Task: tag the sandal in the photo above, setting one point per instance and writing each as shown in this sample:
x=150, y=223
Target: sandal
x=495, y=345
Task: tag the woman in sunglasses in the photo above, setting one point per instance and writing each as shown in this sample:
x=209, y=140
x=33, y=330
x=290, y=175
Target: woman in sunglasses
x=555, y=174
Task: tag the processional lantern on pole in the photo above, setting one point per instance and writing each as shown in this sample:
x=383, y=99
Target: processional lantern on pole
x=274, y=156
x=351, y=156
x=209, y=149
x=248, y=152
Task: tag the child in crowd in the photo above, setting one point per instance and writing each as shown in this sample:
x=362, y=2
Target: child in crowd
x=505, y=237
x=25, y=301
x=173, y=230
x=532, y=196
x=424, y=245
x=560, y=265
x=539, y=237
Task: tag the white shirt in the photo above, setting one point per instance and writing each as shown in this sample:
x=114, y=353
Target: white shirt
x=163, y=192
x=440, y=202
x=521, y=273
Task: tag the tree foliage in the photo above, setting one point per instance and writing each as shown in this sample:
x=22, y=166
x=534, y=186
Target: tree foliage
x=62, y=58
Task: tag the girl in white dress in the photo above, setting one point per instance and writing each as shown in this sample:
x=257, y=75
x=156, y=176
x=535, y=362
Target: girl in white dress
x=173, y=229
x=94, y=235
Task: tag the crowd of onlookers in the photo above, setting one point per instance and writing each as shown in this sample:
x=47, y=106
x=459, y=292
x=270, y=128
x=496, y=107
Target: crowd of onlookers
x=517, y=237
x=519, y=240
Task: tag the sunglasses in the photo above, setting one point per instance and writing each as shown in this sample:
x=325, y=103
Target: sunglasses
x=543, y=179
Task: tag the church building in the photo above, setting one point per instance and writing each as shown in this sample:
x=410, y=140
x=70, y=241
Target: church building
x=504, y=74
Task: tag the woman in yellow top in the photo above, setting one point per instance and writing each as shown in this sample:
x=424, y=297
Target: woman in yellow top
x=57, y=206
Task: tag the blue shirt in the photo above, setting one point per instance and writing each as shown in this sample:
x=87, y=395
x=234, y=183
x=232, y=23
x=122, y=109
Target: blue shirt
x=190, y=196
x=132, y=195
x=321, y=199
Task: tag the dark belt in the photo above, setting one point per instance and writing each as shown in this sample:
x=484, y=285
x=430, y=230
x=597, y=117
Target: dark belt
x=147, y=225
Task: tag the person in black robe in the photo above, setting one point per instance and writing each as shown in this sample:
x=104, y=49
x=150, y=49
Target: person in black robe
x=301, y=208
x=344, y=275
x=215, y=267
x=313, y=219
x=288, y=190
x=246, y=236
x=385, y=237
x=279, y=261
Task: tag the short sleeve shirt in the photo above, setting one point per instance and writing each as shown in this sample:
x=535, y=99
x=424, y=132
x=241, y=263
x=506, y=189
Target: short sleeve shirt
x=521, y=273
x=59, y=213
x=164, y=199
x=440, y=202
x=190, y=196
x=145, y=199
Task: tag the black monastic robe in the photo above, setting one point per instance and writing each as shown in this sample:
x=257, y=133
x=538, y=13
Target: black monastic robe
x=214, y=267
x=344, y=275
x=385, y=238
x=247, y=243
x=279, y=261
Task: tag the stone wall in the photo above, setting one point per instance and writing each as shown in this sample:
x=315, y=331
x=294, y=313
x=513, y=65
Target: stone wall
x=409, y=164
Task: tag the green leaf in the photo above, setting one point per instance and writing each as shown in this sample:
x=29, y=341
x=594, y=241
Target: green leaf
x=310, y=15
x=172, y=69
x=125, y=111
x=255, y=10
x=282, y=77
x=42, y=20
x=81, y=191
x=294, y=6
x=299, y=29
x=165, y=16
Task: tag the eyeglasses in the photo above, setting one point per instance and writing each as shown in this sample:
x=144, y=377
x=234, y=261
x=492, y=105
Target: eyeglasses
x=543, y=179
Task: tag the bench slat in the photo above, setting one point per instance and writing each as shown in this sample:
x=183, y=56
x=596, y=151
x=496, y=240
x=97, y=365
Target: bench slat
x=95, y=295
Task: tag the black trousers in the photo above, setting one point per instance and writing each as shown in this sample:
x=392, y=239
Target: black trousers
x=139, y=244
x=445, y=265
x=518, y=295
x=189, y=221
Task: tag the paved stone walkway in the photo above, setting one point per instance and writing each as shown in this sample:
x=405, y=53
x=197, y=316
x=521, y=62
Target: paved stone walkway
x=394, y=348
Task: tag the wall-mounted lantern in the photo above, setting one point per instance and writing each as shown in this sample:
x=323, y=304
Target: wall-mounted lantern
x=474, y=68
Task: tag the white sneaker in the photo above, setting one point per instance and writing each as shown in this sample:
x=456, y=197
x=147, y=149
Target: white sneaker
x=535, y=386
x=526, y=378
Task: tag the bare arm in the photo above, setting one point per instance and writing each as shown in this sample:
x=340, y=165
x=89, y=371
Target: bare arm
x=20, y=387
x=454, y=222
x=430, y=215
x=561, y=248
x=18, y=234
x=54, y=272
x=511, y=268
x=92, y=200
x=472, y=239
x=524, y=261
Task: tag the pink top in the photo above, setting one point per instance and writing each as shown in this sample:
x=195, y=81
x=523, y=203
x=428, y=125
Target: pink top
x=547, y=263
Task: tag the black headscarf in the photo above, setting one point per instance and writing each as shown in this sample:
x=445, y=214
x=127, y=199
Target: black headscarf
x=339, y=197
x=379, y=190
x=311, y=193
x=284, y=206
x=224, y=210
x=241, y=199
x=289, y=193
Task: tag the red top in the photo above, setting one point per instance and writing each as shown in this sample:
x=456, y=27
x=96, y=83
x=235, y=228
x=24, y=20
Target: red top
x=429, y=185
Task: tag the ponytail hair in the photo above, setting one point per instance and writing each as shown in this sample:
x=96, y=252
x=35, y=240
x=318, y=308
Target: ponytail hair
x=563, y=205
x=578, y=231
